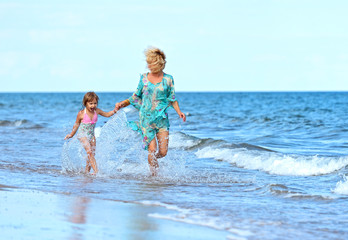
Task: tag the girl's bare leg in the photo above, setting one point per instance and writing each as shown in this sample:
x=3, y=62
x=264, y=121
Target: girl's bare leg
x=93, y=146
x=90, y=155
x=152, y=160
x=88, y=166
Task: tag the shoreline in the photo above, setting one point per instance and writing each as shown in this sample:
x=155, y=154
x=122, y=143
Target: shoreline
x=33, y=214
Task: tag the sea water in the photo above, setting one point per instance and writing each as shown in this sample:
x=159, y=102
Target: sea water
x=254, y=165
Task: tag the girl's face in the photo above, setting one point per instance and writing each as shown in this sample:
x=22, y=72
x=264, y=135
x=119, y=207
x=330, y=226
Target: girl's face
x=92, y=105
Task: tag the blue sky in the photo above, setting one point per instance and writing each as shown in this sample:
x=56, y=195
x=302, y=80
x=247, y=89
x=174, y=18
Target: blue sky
x=249, y=45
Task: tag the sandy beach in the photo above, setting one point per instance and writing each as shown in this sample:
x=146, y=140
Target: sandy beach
x=32, y=214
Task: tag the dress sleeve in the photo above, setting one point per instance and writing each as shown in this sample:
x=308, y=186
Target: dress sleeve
x=171, y=91
x=136, y=98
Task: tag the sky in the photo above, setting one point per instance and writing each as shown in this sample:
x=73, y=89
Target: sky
x=220, y=45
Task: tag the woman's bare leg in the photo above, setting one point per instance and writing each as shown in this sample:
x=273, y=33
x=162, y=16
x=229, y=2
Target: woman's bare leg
x=153, y=164
x=163, y=140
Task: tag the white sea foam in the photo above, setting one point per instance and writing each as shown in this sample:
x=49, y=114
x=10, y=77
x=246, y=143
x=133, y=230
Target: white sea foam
x=160, y=204
x=195, y=217
x=275, y=163
x=180, y=140
x=342, y=187
x=192, y=219
x=271, y=162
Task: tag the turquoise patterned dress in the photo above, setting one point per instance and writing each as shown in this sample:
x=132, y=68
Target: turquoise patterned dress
x=152, y=101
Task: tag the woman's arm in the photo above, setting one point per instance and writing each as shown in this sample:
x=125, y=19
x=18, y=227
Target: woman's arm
x=75, y=127
x=121, y=104
x=106, y=114
x=177, y=109
x=135, y=99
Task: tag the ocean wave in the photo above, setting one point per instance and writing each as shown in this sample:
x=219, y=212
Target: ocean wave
x=275, y=163
x=23, y=123
x=188, y=142
x=294, y=193
x=342, y=187
x=258, y=158
x=15, y=123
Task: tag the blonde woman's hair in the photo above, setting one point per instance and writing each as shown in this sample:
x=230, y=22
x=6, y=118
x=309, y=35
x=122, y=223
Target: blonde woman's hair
x=155, y=57
x=90, y=96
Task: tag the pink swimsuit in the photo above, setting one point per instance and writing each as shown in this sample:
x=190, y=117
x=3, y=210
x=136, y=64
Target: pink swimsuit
x=87, y=126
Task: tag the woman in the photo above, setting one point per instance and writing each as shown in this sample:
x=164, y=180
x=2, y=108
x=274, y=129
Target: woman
x=154, y=95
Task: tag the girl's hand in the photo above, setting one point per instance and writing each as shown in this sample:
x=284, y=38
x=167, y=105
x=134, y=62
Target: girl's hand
x=113, y=112
x=67, y=136
x=118, y=106
x=183, y=116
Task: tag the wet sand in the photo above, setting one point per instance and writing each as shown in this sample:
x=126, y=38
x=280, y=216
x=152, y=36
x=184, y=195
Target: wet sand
x=32, y=214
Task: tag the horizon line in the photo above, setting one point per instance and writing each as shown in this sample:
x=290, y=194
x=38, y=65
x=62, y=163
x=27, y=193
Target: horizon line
x=235, y=91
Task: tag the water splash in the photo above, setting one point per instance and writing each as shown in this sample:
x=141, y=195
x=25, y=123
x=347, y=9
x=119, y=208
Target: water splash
x=119, y=148
x=119, y=154
x=73, y=157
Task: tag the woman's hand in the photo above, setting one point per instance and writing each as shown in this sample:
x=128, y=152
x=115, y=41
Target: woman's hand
x=67, y=136
x=183, y=116
x=121, y=104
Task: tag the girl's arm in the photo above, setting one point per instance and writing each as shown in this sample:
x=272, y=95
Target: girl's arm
x=177, y=109
x=106, y=114
x=76, y=126
x=122, y=104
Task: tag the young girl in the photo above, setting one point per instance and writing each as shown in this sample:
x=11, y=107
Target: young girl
x=85, y=123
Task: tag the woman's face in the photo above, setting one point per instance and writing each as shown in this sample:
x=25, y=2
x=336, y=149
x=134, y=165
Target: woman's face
x=153, y=67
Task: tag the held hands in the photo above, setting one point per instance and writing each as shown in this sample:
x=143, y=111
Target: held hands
x=121, y=104
x=118, y=106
